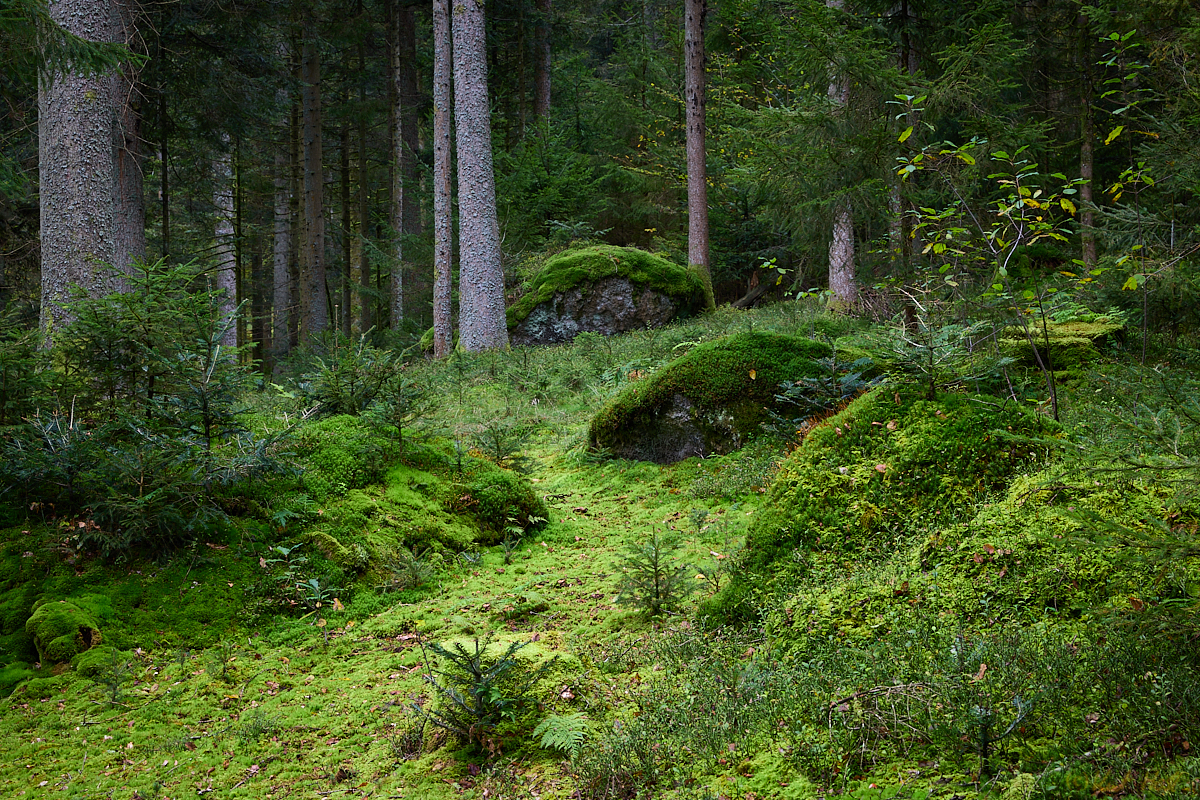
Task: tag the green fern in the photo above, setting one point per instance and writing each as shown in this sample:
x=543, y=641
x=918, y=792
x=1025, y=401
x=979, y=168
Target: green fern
x=563, y=732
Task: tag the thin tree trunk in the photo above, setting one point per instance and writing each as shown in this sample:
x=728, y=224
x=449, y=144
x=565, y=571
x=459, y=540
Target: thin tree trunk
x=314, y=298
x=396, y=293
x=258, y=302
x=410, y=120
x=1087, y=148
x=443, y=231
x=366, y=299
x=345, y=317
x=296, y=209
x=841, y=248
x=281, y=249
x=77, y=126
x=697, y=170
x=542, y=62
x=165, y=166
x=224, y=276
x=481, y=275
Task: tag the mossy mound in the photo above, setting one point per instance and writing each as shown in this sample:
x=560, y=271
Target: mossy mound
x=604, y=289
x=342, y=453
x=502, y=502
x=62, y=630
x=707, y=401
x=889, y=465
x=1069, y=345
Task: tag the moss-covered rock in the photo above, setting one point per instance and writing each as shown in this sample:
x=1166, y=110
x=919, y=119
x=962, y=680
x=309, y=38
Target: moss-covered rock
x=889, y=466
x=61, y=630
x=1069, y=345
x=707, y=401
x=604, y=289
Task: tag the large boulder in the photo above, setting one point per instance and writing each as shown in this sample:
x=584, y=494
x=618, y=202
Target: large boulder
x=707, y=401
x=603, y=289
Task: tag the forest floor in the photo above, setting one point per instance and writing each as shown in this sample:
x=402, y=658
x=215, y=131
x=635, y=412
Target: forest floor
x=217, y=689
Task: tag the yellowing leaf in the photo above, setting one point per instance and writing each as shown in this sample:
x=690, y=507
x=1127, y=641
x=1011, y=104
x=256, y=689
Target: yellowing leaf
x=907, y=133
x=337, y=605
x=1067, y=205
x=753, y=375
x=1114, y=133
x=1130, y=284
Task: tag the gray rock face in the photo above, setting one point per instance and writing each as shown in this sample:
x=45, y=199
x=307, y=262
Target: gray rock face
x=679, y=431
x=609, y=305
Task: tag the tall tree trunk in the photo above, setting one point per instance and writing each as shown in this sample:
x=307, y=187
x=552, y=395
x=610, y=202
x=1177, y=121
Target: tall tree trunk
x=366, y=298
x=399, y=98
x=128, y=93
x=410, y=119
x=1087, y=146
x=345, y=316
x=164, y=129
x=697, y=169
x=258, y=302
x=542, y=63
x=281, y=249
x=296, y=207
x=77, y=135
x=314, y=299
x=841, y=247
x=443, y=229
x=224, y=276
x=481, y=275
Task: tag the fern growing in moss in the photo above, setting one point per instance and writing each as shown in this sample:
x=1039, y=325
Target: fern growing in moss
x=563, y=732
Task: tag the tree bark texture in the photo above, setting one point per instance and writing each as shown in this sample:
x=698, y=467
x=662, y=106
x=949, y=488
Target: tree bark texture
x=697, y=170
x=128, y=94
x=224, y=276
x=344, y=315
x=281, y=249
x=81, y=134
x=1087, y=147
x=481, y=275
x=314, y=301
x=841, y=247
x=542, y=62
x=366, y=300
x=443, y=230
x=410, y=117
x=399, y=99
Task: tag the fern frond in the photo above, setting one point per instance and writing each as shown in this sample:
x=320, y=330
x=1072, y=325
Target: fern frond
x=563, y=732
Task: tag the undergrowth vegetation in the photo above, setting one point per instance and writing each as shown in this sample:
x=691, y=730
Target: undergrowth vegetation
x=396, y=577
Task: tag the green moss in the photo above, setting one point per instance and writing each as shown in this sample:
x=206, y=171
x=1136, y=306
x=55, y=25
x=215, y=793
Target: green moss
x=588, y=264
x=61, y=630
x=1069, y=345
x=889, y=465
x=342, y=453
x=93, y=663
x=13, y=674
x=739, y=373
x=499, y=500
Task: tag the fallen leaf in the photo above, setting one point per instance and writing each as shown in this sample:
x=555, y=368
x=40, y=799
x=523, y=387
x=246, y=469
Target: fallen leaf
x=881, y=468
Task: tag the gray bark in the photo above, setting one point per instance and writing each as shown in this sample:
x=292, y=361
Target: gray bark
x=443, y=232
x=481, y=275
x=80, y=135
x=281, y=283
x=841, y=247
x=697, y=170
x=542, y=63
x=314, y=302
x=344, y=313
x=396, y=289
x=224, y=253
x=130, y=214
x=366, y=300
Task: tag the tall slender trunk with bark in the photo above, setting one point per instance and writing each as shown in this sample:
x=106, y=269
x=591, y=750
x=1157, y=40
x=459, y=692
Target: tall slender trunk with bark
x=542, y=63
x=314, y=300
x=841, y=248
x=443, y=230
x=81, y=136
x=281, y=248
x=344, y=316
x=397, y=94
x=128, y=93
x=697, y=169
x=481, y=275
x=1087, y=147
x=224, y=275
x=366, y=300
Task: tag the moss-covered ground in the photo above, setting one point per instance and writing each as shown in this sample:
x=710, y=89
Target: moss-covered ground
x=953, y=613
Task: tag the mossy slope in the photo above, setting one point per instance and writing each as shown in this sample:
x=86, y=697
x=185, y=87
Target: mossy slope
x=736, y=377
